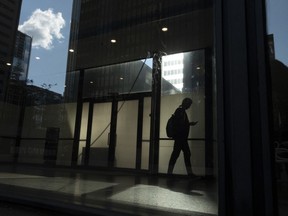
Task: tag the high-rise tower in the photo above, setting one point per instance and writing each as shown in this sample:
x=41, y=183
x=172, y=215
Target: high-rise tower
x=9, y=20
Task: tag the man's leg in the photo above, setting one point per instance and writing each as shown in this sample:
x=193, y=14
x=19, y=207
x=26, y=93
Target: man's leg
x=174, y=156
x=187, y=156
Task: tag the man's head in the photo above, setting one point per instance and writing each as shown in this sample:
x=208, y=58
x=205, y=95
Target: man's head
x=186, y=103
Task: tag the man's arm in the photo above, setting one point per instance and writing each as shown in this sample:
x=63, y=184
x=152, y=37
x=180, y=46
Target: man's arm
x=193, y=123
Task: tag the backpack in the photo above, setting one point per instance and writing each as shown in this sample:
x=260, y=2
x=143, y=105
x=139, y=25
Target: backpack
x=170, y=126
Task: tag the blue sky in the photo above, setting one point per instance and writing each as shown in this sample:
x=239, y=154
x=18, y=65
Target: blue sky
x=48, y=22
x=277, y=18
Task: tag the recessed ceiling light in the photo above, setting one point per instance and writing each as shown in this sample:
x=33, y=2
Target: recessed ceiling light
x=91, y=82
x=71, y=50
x=164, y=29
x=113, y=41
x=121, y=78
x=8, y=64
x=198, y=68
x=37, y=57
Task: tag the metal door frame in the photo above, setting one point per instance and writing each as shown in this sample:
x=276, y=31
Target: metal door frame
x=115, y=99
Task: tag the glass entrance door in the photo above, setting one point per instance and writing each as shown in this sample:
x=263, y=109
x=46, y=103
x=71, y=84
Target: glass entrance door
x=100, y=132
x=126, y=135
x=118, y=131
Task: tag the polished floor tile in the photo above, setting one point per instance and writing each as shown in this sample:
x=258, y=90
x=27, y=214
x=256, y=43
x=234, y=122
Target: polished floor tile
x=155, y=196
x=5, y=175
x=58, y=184
x=136, y=194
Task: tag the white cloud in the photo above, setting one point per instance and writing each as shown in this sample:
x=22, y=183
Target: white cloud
x=44, y=27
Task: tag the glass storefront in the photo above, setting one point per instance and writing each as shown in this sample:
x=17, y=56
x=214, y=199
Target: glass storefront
x=104, y=77
x=87, y=88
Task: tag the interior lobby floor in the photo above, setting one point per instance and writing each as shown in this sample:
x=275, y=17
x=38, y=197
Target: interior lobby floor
x=88, y=192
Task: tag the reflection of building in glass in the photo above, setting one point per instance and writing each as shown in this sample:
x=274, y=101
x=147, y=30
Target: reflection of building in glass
x=172, y=69
x=37, y=100
x=184, y=71
x=16, y=90
x=108, y=47
x=271, y=48
x=20, y=65
x=37, y=96
x=136, y=27
x=279, y=77
x=9, y=16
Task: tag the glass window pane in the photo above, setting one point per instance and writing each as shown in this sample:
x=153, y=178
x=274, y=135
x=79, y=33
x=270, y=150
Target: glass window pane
x=124, y=78
x=191, y=151
x=64, y=77
x=278, y=52
x=183, y=72
x=126, y=134
x=100, y=134
x=7, y=148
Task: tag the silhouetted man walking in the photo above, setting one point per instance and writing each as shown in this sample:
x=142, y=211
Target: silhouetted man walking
x=182, y=126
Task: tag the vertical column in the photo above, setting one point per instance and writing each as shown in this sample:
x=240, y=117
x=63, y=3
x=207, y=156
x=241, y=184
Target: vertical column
x=155, y=113
x=139, y=133
x=264, y=192
x=237, y=134
x=112, y=136
x=89, y=131
x=209, y=148
x=243, y=134
x=77, y=129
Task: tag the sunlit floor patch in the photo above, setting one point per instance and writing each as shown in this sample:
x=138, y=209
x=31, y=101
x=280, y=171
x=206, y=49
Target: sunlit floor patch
x=75, y=187
x=155, y=196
